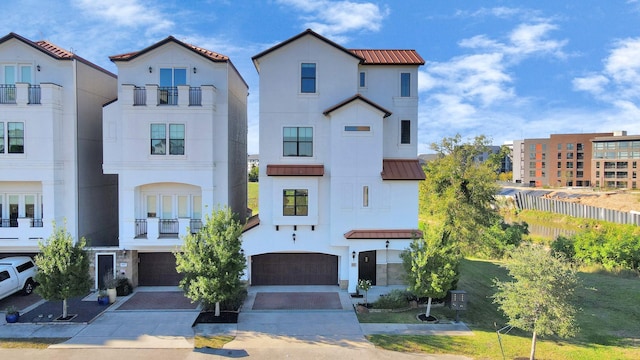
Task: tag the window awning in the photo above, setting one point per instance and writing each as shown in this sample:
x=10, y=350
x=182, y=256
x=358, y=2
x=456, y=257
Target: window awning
x=295, y=170
x=402, y=169
x=384, y=234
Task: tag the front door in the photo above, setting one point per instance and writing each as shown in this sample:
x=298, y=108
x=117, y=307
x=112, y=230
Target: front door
x=103, y=267
x=367, y=266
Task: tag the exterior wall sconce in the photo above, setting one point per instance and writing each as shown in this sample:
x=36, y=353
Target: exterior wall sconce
x=294, y=237
x=242, y=252
x=277, y=227
x=313, y=228
x=195, y=70
x=38, y=67
x=295, y=227
x=124, y=252
x=386, y=244
x=353, y=255
x=150, y=69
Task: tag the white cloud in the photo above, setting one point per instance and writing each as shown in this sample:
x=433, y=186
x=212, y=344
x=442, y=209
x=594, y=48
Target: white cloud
x=619, y=80
x=128, y=13
x=336, y=18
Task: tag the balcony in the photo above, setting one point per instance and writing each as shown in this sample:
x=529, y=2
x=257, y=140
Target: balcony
x=173, y=96
x=154, y=228
x=27, y=94
x=21, y=222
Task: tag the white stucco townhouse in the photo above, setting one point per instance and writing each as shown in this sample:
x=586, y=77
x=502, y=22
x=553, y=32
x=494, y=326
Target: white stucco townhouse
x=177, y=139
x=339, y=170
x=51, y=147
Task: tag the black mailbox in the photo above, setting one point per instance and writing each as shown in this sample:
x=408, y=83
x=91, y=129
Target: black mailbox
x=458, y=299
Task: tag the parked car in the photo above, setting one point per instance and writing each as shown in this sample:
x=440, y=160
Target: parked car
x=17, y=273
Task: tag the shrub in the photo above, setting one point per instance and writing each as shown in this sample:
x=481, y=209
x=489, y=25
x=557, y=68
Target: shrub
x=234, y=302
x=395, y=299
x=123, y=286
x=564, y=245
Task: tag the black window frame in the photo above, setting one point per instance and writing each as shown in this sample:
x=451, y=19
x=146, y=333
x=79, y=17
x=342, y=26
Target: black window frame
x=295, y=202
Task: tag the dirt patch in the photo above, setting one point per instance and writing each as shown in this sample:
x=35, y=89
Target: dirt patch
x=615, y=200
x=158, y=300
x=297, y=301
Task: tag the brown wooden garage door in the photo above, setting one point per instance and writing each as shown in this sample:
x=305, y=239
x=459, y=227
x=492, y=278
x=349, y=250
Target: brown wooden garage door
x=157, y=269
x=294, y=269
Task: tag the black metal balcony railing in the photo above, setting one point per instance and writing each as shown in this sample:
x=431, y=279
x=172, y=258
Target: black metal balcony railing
x=7, y=94
x=13, y=222
x=4, y=222
x=195, y=96
x=168, y=226
x=141, y=227
x=36, y=222
x=195, y=225
x=34, y=94
x=168, y=95
x=139, y=96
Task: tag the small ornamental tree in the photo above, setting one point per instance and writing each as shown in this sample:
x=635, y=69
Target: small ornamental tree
x=364, y=285
x=63, y=268
x=431, y=266
x=539, y=298
x=211, y=260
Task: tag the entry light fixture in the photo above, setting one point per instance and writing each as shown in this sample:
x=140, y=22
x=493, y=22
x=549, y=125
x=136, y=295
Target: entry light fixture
x=38, y=67
x=150, y=69
x=124, y=252
x=386, y=244
x=242, y=252
x=195, y=70
x=353, y=255
x=294, y=237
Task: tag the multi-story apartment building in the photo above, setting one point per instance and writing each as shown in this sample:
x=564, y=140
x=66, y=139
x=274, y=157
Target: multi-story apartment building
x=571, y=159
x=339, y=170
x=51, y=146
x=560, y=160
x=176, y=137
x=615, y=161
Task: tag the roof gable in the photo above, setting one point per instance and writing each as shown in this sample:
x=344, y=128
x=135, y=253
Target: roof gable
x=208, y=54
x=386, y=112
x=53, y=50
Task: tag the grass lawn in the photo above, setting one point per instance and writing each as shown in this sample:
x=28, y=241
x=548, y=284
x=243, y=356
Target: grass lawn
x=609, y=321
x=252, y=196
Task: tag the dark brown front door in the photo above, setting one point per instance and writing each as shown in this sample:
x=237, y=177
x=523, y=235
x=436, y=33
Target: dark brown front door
x=367, y=266
x=157, y=269
x=294, y=269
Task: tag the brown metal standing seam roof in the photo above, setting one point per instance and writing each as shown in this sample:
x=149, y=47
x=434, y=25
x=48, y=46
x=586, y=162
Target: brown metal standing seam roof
x=386, y=112
x=402, y=169
x=295, y=170
x=204, y=52
x=388, y=57
x=384, y=234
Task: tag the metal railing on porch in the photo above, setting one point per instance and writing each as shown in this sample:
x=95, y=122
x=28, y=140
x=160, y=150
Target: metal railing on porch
x=195, y=96
x=7, y=94
x=168, y=226
x=195, y=225
x=168, y=95
x=34, y=94
x=141, y=228
x=139, y=96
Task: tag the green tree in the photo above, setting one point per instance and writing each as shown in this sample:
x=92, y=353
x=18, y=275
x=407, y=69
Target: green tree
x=459, y=191
x=63, y=268
x=254, y=174
x=431, y=266
x=539, y=297
x=211, y=260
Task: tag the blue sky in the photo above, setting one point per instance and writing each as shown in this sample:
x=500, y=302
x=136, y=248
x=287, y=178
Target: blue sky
x=505, y=69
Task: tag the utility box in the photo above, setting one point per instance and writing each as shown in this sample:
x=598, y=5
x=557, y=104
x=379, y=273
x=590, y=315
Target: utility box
x=458, y=299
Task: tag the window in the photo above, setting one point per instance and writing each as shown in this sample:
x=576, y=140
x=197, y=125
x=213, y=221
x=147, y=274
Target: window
x=569, y=146
x=579, y=174
x=295, y=202
x=405, y=132
x=357, y=128
x=298, y=141
x=176, y=139
x=170, y=78
x=597, y=164
x=405, y=84
x=532, y=173
x=569, y=164
x=1, y=138
x=308, y=78
x=362, y=79
x=365, y=196
x=151, y=206
x=559, y=164
x=158, y=139
x=559, y=146
x=15, y=138
x=569, y=155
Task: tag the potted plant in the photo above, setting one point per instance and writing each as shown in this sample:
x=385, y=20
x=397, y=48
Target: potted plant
x=111, y=282
x=123, y=287
x=103, y=297
x=12, y=315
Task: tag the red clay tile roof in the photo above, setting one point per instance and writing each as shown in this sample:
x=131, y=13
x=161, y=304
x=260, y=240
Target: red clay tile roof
x=204, y=52
x=402, y=169
x=354, y=98
x=53, y=50
x=388, y=57
x=384, y=234
x=251, y=223
x=295, y=170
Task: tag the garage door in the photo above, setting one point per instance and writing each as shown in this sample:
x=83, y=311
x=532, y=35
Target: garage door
x=157, y=269
x=294, y=269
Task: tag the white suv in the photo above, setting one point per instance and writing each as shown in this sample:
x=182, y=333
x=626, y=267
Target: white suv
x=17, y=273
